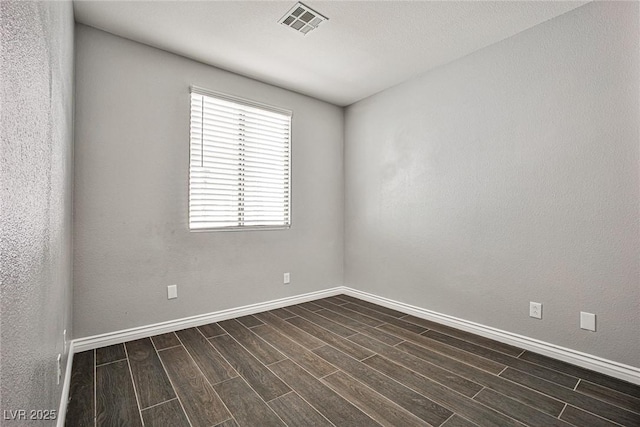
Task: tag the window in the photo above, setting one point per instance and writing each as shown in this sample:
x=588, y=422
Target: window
x=240, y=164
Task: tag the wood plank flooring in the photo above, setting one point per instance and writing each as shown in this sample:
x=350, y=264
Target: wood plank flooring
x=338, y=361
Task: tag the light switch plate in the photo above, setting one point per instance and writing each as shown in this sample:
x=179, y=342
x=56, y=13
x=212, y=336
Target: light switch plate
x=287, y=278
x=172, y=291
x=588, y=321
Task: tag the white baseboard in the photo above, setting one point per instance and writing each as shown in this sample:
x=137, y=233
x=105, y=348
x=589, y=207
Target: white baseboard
x=117, y=337
x=595, y=363
x=89, y=343
x=588, y=361
x=64, y=398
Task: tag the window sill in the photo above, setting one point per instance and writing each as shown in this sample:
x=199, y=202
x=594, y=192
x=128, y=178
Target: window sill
x=248, y=228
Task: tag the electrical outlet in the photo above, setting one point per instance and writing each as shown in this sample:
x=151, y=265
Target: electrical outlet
x=287, y=278
x=172, y=291
x=535, y=310
x=59, y=368
x=588, y=321
x=64, y=340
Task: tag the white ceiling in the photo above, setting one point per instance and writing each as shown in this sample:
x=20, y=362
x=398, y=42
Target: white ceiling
x=364, y=47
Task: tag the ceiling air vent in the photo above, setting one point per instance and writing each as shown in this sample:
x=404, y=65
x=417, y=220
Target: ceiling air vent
x=302, y=18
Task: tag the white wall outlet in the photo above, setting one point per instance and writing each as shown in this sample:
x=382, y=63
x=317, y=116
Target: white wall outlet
x=287, y=278
x=588, y=321
x=172, y=291
x=64, y=340
x=59, y=368
x=535, y=310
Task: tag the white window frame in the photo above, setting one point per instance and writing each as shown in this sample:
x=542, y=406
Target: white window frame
x=197, y=205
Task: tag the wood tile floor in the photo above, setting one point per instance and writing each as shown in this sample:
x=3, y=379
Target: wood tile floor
x=338, y=361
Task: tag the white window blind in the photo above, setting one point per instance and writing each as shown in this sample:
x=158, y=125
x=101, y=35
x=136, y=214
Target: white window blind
x=240, y=163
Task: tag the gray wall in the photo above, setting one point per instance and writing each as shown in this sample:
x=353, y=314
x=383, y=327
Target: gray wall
x=131, y=172
x=509, y=176
x=35, y=237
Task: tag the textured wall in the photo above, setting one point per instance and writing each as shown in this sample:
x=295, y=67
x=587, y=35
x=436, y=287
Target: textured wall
x=37, y=141
x=131, y=177
x=509, y=176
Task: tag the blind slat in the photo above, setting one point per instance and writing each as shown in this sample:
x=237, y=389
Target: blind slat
x=208, y=163
x=234, y=158
x=211, y=104
x=242, y=176
x=242, y=129
x=203, y=105
x=235, y=134
x=204, y=138
x=222, y=192
x=230, y=122
x=208, y=142
x=220, y=147
x=232, y=187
